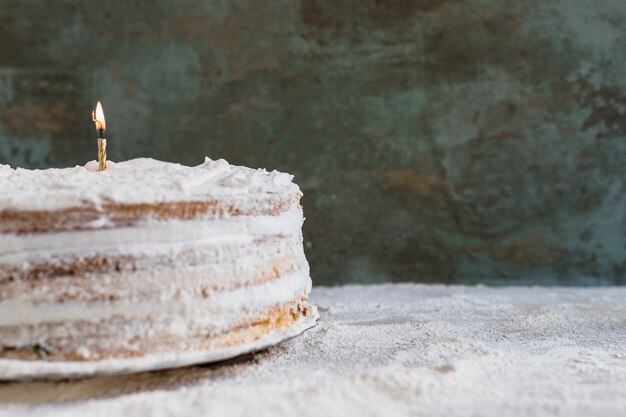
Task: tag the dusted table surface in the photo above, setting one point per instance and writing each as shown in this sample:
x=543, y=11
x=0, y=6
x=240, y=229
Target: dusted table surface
x=391, y=350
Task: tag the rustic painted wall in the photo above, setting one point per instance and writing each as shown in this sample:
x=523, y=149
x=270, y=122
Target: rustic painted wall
x=450, y=141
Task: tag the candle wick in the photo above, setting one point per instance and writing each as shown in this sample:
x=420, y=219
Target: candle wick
x=101, y=133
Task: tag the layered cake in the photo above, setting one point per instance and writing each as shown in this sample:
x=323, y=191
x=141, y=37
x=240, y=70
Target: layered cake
x=147, y=261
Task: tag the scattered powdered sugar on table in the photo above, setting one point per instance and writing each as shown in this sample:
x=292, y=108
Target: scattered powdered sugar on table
x=391, y=350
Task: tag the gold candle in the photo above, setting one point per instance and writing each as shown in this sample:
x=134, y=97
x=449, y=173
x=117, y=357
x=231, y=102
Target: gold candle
x=102, y=154
x=98, y=118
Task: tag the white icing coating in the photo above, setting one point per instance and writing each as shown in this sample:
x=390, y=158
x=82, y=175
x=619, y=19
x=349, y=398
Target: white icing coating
x=233, y=229
x=141, y=180
x=5, y=171
x=162, y=280
x=26, y=369
x=217, y=311
x=107, y=284
x=94, y=166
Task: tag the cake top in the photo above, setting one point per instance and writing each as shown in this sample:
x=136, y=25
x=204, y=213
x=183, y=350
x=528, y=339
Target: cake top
x=137, y=181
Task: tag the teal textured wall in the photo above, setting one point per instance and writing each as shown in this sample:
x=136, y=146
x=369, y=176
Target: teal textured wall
x=449, y=141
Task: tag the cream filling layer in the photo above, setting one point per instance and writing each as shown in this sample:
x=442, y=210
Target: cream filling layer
x=242, y=229
x=182, y=311
x=159, y=281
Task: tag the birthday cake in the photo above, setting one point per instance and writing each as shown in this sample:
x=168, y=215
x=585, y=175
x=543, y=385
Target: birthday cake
x=148, y=259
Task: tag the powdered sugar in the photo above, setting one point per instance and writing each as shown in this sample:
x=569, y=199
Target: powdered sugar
x=392, y=350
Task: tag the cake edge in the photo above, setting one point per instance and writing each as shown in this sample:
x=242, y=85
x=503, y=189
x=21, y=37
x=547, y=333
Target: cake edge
x=17, y=369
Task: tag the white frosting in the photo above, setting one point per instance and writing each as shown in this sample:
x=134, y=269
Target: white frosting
x=233, y=229
x=215, y=311
x=18, y=369
x=142, y=180
x=162, y=280
x=148, y=279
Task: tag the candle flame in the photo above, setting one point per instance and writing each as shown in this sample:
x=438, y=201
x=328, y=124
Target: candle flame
x=98, y=117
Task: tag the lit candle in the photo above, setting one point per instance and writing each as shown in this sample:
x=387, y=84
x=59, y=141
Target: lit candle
x=98, y=118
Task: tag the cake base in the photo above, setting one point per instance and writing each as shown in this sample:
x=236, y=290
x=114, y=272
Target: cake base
x=15, y=369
